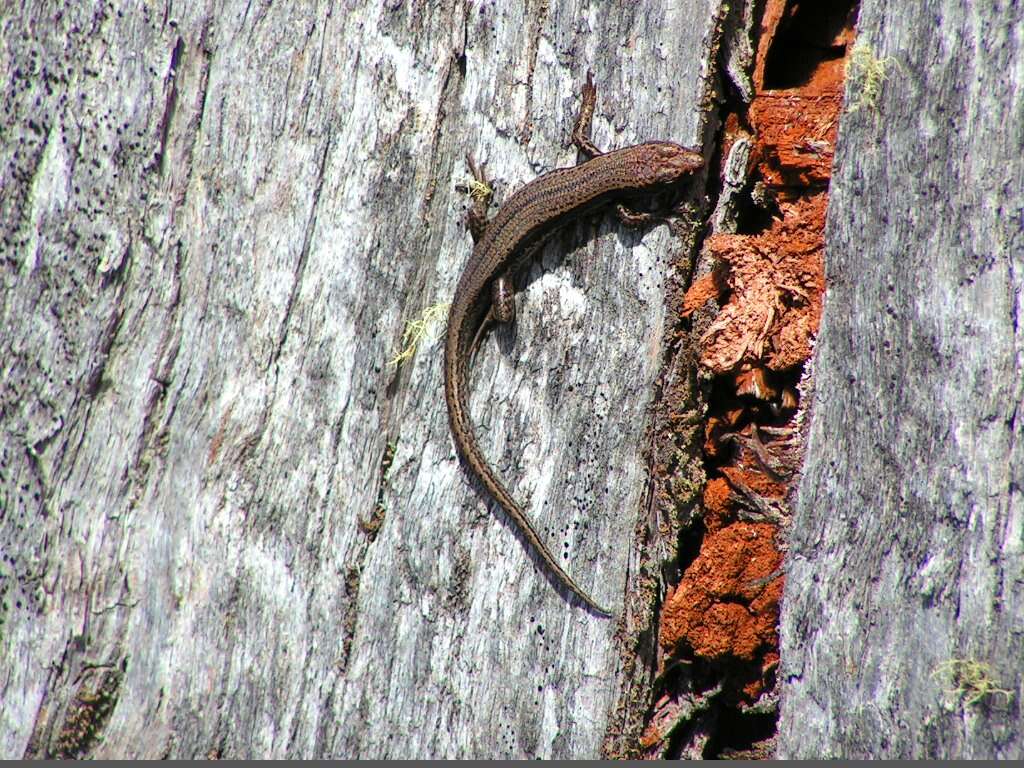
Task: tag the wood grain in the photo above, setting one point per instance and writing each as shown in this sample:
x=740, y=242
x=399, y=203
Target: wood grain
x=229, y=527
x=906, y=543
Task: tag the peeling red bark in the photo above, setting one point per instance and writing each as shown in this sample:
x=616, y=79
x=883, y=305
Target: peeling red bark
x=768, y=283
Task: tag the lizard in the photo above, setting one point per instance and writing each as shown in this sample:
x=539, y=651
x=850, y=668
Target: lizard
x=485, y=295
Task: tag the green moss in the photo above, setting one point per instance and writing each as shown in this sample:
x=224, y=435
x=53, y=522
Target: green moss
x=866, y=73
x=971, y=681
x=88, y=714
x=418, y=329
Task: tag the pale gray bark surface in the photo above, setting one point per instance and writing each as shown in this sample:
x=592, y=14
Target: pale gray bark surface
x=216, y=223
x=907, y=540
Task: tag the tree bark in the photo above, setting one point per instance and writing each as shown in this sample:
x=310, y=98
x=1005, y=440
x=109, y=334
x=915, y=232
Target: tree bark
x=902, y=618
x=229, y=525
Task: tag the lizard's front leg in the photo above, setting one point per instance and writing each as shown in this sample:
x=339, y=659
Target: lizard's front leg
x=581, y=138
x=581, y=131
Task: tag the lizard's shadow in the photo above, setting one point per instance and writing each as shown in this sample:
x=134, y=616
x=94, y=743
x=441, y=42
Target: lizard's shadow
x=561, y=248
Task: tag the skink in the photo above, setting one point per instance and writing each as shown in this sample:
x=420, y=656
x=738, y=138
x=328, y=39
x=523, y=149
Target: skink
x=484, y=292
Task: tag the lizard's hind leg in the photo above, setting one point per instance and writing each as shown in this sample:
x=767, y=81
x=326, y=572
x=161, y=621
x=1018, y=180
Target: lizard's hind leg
x=502, y=310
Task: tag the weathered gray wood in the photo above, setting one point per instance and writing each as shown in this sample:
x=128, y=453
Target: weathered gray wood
x=907, y=540
x=228, y=526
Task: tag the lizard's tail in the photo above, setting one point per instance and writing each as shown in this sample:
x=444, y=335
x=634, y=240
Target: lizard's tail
x=457, y=397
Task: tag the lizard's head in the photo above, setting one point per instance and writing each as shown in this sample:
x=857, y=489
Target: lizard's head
x=659, y=163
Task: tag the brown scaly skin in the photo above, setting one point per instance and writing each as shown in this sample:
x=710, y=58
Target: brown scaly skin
x=531, y=214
